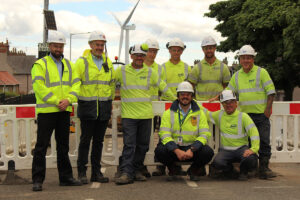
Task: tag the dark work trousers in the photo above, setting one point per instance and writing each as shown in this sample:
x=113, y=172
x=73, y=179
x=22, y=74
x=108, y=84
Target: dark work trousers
x=224, y=159
x=136, y=138
x=263, y=125
x=91, y=129
x=46, y=123
x=168, y=158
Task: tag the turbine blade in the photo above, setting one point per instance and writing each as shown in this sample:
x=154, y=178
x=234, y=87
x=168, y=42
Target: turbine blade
x=121, y=42
x=130, y=15
x=116, y=18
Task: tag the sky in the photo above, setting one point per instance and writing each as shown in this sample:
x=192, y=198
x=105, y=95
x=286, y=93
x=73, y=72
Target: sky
x=21, y=22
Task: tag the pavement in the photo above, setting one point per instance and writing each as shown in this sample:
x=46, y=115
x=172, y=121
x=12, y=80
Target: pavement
x=286, y=186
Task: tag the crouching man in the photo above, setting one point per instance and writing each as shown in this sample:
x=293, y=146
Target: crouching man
x=235, y=129
x=184, y=134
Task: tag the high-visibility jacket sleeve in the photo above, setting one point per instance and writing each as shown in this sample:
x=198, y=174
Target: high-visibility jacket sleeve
x=113, y=80
x=232, y=85
x=163, y=88
x=226, y=74
x=193, y=75
x=39, y=87
x=118, y=75
x=73, y=94
x=252, y=132
x=267, y=82
x=204, y=133
x=165, y=133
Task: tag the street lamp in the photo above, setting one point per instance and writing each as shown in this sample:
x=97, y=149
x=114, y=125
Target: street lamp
x=71, y=34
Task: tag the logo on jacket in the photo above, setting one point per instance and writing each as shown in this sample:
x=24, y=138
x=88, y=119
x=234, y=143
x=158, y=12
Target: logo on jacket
x=252, y=80
x=194, y=121
x=143, y=77
x=233, y=126
x=180, y=75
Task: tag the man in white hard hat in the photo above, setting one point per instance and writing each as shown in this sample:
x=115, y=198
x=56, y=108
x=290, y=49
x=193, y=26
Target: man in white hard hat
x=136, y=113
x=210, y=76
x=56, y=87
x=97, y=91
x=175, y=69
x=184, y=134
x=236, y=128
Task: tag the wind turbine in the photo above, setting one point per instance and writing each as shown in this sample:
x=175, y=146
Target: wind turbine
x=127, y=28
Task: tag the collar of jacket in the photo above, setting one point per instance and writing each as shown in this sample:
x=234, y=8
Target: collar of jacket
x=175, y=106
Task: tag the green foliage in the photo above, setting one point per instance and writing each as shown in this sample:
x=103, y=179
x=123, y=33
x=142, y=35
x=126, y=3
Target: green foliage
x=272, y=27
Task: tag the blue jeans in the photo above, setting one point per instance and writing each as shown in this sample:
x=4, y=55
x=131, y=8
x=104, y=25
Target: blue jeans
x=225, y=158
x=263, y=125
x=136, y=138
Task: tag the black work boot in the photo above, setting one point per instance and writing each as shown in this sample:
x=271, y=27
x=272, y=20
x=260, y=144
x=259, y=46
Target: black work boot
x=268, y=173
x=82, y=177
x=98, y=177
x=145, y=172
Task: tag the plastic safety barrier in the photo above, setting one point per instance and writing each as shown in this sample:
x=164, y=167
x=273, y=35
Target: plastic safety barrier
x=18, y=134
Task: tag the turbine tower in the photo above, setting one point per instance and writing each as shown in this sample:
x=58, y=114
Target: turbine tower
x=127, y=28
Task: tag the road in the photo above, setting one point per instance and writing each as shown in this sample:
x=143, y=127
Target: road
x=286, y=186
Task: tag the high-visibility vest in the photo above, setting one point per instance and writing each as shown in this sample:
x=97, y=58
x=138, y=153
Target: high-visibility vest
x=49, y=88
x=252, y=89
x=135, y=91
x=175, y=74
x=235, y=129
x=161, y=76
x=209, y=79
x=194, y=127
x=96, y=85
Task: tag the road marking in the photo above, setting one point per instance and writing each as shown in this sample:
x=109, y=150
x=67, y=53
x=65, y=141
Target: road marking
x=95, y=185
x=192, y=184
x=272, y=187
x=89, y=199
x=109, y=149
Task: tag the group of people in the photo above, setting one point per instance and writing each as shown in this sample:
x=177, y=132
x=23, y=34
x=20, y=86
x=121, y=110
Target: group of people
x=184, y=133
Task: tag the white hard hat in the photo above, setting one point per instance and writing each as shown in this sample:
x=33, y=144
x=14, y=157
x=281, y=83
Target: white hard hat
x=176, y=42
x=56, y=37
x=152, y=43
x=185, y=87
x=139, y=48
x=208, y=41
x=247, y=50
x=227, y=95
x=97, y=35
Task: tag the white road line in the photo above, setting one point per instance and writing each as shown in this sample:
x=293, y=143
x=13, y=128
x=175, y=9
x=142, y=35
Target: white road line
x=272, y=187
x=192, y=184
x=89, y=199
x=95, y=185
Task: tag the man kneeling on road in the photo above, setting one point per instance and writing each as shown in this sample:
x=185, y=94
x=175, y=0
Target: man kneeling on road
x=184, y=134
x=235, y=129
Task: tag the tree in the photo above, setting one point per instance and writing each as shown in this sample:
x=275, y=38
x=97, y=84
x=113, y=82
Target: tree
x=272, y=27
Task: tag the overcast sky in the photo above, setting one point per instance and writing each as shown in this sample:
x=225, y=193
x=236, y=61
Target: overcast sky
x=21, y=22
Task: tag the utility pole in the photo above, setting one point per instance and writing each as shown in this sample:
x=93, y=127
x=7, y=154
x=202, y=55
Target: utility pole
x=45, y=35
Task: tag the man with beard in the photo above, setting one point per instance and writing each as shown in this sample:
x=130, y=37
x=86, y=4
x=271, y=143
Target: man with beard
x=136, y=113
x=56, y=87
x=97, y=91
x=184, y=134
x=210, y=76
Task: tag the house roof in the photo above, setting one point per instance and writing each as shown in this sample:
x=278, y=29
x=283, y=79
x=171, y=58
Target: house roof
x=7, y=79
x=21, y=64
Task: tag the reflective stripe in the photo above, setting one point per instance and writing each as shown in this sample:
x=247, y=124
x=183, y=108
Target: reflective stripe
x=237, y=80
x=172, y=120
x=198, y=121
x=164, y=65
x=74, y=93
x=209, y=81
x=221, y=72
x=211, y=118
x=46, y=105
x=271, y=92
x=245, y=103
x=186, y=71
x=226, y=135
x=165, y=90
x=95, y=82
x=240, y=123
x=159, y=74
x=149, y=77
x=87, y=98
x=231, y=87
x=86, y=64
x=258, y=77
x=137, y=87
x=200, y=71
x=154, y=97
x=165, y=129
x=127, y=100
x=269, y=82
x=230, y=148
x=203, y=130
x=251, y=90
x=249, y=127
x=172, y=84
x=48, y=96
x=220, y=116
x=54, y=84
x=254, y=137
x=104, y=98
x=66, y=83
x=203, y=136
x=207, y=93
x=70, y=71
x=76, y=80
x=38, y=78
x=47, y=82
x=165, y=136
